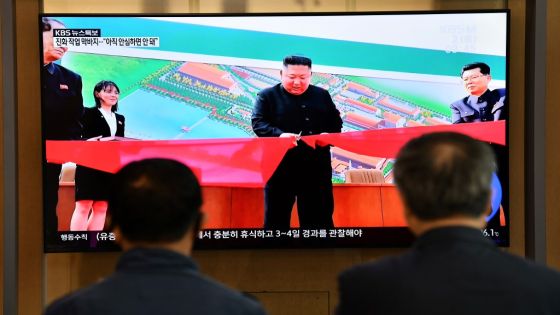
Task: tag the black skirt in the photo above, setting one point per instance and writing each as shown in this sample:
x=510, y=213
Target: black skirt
x=92, y=184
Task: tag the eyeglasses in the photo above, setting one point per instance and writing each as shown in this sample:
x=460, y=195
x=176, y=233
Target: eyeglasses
x=473, y=77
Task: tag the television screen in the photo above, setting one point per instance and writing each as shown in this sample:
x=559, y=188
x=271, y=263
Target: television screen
x=200, y=88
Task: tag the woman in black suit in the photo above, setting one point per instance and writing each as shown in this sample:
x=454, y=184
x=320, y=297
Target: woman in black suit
x=92, y=185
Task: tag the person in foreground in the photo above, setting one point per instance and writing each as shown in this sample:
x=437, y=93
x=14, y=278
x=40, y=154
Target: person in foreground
x=92, y=185
x=155, y=213
x=444, y=180
x=295, y=108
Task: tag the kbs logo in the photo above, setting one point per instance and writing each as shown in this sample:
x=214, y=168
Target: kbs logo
x=62, y=32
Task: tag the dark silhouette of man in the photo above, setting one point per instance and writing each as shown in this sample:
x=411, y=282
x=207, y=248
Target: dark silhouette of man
x=155, y=213
x=296, y=108
x=445, y=182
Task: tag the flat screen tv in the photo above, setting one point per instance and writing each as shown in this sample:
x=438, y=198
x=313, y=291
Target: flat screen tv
x=187, y=87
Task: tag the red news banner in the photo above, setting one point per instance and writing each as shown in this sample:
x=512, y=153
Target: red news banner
x=249, y=162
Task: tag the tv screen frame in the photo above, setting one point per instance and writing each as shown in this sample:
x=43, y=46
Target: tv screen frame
x=368, y=89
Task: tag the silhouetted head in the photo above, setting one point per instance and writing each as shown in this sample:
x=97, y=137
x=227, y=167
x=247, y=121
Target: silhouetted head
x=155, y=200
x=442, y=175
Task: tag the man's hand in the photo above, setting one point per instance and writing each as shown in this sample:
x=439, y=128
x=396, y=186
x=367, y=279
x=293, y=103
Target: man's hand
x=289, y=134
x=295, y=137
x=94, y=138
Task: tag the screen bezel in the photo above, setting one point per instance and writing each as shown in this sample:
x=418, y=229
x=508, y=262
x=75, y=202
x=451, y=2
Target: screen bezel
x=400, y=236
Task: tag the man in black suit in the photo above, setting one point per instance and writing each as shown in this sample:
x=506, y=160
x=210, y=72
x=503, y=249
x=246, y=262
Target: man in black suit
x=62, y=110
x=292, y=109
x=482, y=104
x=445, y=182
x=155, y=211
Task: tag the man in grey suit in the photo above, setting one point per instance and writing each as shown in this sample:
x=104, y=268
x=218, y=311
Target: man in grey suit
x=482, y=104
x=445, y=182
x=155, y=212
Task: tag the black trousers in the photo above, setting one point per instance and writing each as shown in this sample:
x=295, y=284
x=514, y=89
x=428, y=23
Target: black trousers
x=303, y=176
x=50, y=196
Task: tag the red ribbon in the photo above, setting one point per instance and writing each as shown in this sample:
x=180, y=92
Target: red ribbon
x=387, y=142
x=249, y=162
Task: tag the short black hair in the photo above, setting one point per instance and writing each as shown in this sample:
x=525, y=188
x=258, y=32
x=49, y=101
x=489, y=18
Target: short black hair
x=445, y=174
x=296, y=60
x=47, y=23
x=484, y=68
x=155, y=200
x=102, y=86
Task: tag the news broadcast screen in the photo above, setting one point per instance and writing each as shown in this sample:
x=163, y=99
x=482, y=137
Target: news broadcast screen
x=187, y=88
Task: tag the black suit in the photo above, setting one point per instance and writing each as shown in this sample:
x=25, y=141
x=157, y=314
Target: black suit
x=490, y=106
x=304, y=172
x=94, y=124
x=62, y=103
x=155, y=281
x=450, y=271
x=62, y=108
x=92, y=184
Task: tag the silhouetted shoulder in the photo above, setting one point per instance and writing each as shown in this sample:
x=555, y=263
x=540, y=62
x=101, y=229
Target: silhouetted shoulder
x=185, y=292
